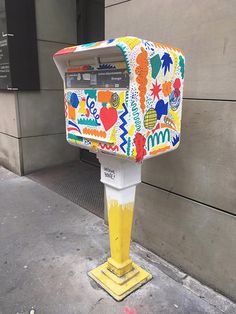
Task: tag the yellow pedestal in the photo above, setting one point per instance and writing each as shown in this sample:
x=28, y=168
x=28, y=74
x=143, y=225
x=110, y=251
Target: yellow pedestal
x=119, y=276
x=120, y=287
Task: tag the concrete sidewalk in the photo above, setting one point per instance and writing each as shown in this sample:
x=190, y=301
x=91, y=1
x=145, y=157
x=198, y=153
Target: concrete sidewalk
x=47, y=246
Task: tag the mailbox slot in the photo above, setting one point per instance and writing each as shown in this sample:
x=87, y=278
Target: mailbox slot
x=98, y=79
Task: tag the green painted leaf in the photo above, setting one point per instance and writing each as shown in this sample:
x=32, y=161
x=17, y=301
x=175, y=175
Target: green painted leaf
x=91, y=93
x=181, y=65
x=156, y=65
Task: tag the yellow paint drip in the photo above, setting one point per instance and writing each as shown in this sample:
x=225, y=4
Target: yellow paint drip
x=119, y=276
x=120, y=219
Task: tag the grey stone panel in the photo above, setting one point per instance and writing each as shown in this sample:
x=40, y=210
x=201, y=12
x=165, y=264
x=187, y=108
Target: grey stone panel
x=49, y=75
x=41, y=113
x=194, y=237
x=44, y=151
x=204, y=166
x=8, y=115
x=56, y=20
x=208, y=40
x=10, y=153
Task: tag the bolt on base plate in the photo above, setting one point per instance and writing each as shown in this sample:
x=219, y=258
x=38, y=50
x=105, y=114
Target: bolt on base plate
x=120, y=287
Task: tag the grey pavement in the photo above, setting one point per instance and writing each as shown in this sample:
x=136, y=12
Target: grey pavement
x=47, y=246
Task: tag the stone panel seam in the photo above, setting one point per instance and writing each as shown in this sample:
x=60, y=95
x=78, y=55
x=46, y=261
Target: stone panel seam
x=56, y=42
x=17, y=138
x=51, y=89
x=199, y=288
x=40, y=135
x=191, y=199
x=209, y=99
x=21, y=152
x=112, y=5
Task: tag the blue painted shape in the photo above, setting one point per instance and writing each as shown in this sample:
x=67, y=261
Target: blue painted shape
x=175, y=140
x=74, y=125
x=174, y=101
x=106, y=66
x=122, y=127
x=110, y=40
x=161, y=108
x=74, y=100
x=167, y=61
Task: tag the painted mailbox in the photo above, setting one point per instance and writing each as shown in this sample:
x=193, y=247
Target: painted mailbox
x=123, y=96
x=123, y=100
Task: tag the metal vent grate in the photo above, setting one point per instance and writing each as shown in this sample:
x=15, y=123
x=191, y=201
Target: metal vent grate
x=77, y=181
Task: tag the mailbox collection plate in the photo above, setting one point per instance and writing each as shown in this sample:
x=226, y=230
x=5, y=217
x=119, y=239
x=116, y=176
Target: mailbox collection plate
x=102, y=79
x=137, y=118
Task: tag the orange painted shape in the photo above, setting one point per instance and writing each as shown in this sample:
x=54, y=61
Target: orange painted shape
x=160, y=150
x=104, y=96
x=166, y=88
x=71, y=112
x=142, y=72
x=65, y=51
x=164, y=125
x=93, y=132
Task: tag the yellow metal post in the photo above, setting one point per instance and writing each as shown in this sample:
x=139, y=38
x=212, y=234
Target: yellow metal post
x=119, y=276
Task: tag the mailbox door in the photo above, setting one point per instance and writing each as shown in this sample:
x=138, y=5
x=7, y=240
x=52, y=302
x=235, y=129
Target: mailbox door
x=93, y=99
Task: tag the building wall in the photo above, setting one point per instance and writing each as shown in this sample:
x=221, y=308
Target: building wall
x=32, y=128
x=186, y=204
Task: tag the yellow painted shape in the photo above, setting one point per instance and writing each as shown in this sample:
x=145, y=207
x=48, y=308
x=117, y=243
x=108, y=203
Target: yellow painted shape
x=175, y=63
x=158, y=147
x=134, y=152
x=131, y=130
x=131, y=42
x=94, y=145
x=122, y=101
x=82, y=107
x=120, y=287
x=120, y=65
x=176, y=118
x=113, y=135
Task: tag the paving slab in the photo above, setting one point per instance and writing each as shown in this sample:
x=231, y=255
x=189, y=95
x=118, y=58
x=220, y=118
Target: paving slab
x=47, y=246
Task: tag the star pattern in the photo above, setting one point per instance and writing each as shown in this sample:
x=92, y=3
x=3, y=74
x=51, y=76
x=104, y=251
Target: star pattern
x=156, y=90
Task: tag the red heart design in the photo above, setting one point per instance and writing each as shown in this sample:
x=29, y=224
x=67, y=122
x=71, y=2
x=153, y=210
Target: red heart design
x=108, y=117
